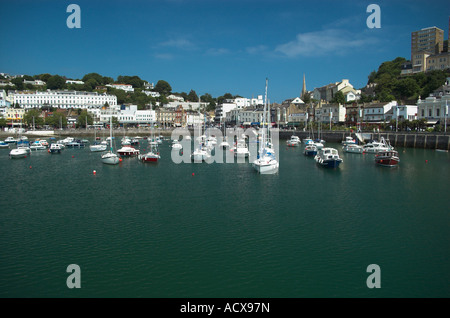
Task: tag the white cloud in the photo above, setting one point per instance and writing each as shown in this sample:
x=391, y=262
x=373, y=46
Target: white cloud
x=180, y=43
x=164, y=56
x=256, y=49
x=332, y=41
x=217, y=51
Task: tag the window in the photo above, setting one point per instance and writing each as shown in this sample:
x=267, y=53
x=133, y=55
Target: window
x=429, y=113
x=437, y=112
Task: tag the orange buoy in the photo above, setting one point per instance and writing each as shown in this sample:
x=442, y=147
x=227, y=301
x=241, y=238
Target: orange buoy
x=30, y=167
x=193, y=174
x=426, y=161
x=94, y=172
x=120, y=159
x=73, y=156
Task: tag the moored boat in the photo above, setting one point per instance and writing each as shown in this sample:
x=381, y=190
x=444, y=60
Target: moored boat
x=18, y=153
x=353, y=148
x=387, y=158
x=294, y=141
x=128, y=151
x=3, y=145
x=55, y=148
x=10, y=140
x=348, y=140
x=328, y=157
x=310, y=150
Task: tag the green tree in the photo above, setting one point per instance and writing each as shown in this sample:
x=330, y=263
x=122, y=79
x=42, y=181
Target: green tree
x=81, y=120
x=339, y=98
x=33, y=114
x=56, y=82
x=44, y=77
x=192, y=96
x=3, y=122
x=163, y=87
x=18, y=82
x=95, y=76
x=57, y=120
x=406, y=88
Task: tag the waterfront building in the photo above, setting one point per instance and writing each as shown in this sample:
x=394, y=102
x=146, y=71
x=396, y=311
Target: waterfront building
x=402, y=112
x=334, y=113
x=244, y=116
x=375, y=113
x=3, y=101
x=62, y=99
x=434, y=110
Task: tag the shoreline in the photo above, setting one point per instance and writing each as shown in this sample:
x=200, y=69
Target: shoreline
x=397, y=139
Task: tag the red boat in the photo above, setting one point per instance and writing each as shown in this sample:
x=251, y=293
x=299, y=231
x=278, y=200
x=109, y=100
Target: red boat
x=128, y=151
x=388, y=158
x=149, y=157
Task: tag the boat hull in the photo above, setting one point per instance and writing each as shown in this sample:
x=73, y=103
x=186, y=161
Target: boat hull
x=18, y=153
x=264, y=167
x=110, y=159
x=149, y=158
x=332, y=163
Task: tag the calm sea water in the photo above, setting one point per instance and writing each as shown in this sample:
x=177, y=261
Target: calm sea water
x=222, y=230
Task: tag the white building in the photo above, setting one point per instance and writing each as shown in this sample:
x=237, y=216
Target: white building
x=35, y=82
x=152, y=94
x=125, y=115
x=74, y=82
x=63, y=99
x=194, y=119
x=402, y=112
x=175, y=98
x=124, y=87
x=434, y=110
x=245, y=116
x=376, y=113
x=186, y=105
x=334, y=112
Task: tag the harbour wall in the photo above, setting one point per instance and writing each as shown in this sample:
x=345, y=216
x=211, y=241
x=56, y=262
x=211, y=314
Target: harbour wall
x=424, y=140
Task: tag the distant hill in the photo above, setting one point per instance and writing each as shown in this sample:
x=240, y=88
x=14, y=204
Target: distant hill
x=390, y=85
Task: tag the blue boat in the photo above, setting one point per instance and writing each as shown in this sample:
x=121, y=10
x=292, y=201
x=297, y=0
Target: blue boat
x=328, y=157
x=310, y=150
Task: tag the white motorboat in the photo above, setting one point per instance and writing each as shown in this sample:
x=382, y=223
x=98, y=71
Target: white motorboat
x=353, y=148
x=176, y=145
x=55, y=148
x=10, y=140
x=294, y=141
x=328, y=157
x=200, y=154
x=3, y=145
x=377, y=146
x=348, y=140
x=37, y=145
x=18, y=153
x=241, y=149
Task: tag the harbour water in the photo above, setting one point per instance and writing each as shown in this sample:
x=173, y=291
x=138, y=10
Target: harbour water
x=222, y=230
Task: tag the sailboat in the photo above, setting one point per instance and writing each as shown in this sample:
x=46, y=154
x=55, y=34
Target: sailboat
x=23, y=147
x=153, y=154
x=266, y=163
x=110, y=158
x=201, y=153
x=98, y=146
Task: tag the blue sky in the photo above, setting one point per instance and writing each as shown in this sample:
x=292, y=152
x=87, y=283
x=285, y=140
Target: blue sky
x=214, y=46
